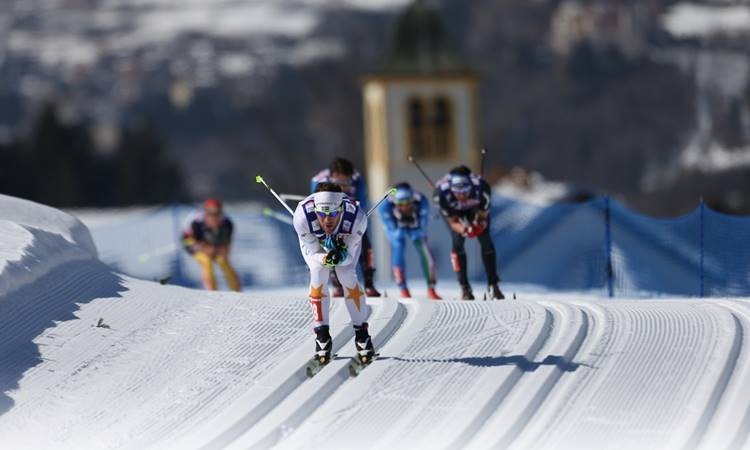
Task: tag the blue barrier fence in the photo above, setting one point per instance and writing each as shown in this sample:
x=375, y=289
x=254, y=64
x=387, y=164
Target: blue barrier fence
x=600, y=246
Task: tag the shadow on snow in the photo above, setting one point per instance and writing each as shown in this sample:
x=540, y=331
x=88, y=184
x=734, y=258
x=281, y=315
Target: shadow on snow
x=520, y=361
x=29, y=311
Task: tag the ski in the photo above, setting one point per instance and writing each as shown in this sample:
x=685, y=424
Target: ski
x=315, y=365
x=360, y=363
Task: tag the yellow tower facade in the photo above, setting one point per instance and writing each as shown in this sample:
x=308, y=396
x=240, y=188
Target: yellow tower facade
x=433, y=120
x=420, y=101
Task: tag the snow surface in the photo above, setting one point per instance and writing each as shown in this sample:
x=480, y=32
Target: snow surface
x=170, y=367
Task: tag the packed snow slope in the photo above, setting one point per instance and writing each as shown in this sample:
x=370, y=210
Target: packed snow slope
x=91, y=359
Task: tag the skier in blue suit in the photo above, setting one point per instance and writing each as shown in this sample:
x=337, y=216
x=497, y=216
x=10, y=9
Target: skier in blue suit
x=406, y=213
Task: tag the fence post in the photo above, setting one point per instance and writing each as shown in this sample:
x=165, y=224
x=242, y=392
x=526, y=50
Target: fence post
x=608, y=247
x=176, y=235
x=702, y=243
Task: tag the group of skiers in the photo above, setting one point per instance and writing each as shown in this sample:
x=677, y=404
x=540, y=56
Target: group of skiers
x=331, y=224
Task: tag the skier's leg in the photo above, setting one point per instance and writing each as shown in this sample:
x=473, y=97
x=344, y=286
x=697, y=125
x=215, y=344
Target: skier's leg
x=319, y=299
x=356, y=303
x=320, y=304
x=490, y=265
x=207, y=270
x=354, y=297
x=458, y=259
x=367, y=263
x=425, y=258
x=488, y=257
x=428, y=267
x=231, y=275
x=398, y=262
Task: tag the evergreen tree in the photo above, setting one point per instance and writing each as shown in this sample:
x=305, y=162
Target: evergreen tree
x=142, y=172
x=60, y=159
x=58, y=165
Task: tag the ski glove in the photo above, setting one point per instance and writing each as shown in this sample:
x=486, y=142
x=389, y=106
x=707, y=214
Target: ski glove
x=342, y=250
x=473, y=231
x=333, y=258
x=480, y=227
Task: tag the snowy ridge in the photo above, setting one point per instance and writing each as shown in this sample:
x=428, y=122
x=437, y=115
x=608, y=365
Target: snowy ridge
x=35, y=239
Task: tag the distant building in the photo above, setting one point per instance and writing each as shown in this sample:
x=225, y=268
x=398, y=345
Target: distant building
x=420, y=101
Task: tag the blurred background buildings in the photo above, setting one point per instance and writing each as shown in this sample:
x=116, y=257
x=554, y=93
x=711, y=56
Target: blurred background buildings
x=118, y=102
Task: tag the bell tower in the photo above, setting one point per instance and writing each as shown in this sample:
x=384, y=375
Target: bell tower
x=420, y=101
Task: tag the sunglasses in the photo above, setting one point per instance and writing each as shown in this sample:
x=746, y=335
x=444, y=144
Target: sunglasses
x=342, y=181
x=333, y=213
x=461, y=188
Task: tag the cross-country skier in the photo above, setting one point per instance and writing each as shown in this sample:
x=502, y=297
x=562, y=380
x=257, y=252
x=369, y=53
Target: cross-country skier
x=330, y=226
x=464, y=200
x=406, y=214
x=342, y=172
x=207, y=238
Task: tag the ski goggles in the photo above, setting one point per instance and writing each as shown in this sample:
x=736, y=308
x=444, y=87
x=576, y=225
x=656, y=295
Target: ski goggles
x=343, y=182
x=332, y=213
x=461, y=188
x=402, y=202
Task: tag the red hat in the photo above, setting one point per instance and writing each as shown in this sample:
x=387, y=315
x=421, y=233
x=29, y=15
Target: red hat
x=212, y=205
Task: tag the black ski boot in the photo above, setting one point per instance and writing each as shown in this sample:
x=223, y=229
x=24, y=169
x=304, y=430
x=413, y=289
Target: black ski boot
x=494, y=292
x=363, y=344
x=323, y=344
x=466, y=293
x=323, y=347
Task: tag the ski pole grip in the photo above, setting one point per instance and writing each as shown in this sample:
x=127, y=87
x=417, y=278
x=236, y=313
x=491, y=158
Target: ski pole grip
x=259, y=179
x=391, y=191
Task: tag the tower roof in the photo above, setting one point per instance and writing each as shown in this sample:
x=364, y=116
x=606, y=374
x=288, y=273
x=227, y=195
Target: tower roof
x=420, y=45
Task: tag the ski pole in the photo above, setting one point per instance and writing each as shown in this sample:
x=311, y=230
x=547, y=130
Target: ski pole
x=481, y=162
x=432, y=184
x=259, y=179
x=419, y=168
x=391, y=191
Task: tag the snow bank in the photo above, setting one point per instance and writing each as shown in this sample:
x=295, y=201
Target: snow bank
x=34, y=239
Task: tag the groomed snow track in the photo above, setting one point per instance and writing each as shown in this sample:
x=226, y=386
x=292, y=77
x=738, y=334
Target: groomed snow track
x=178, y=368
